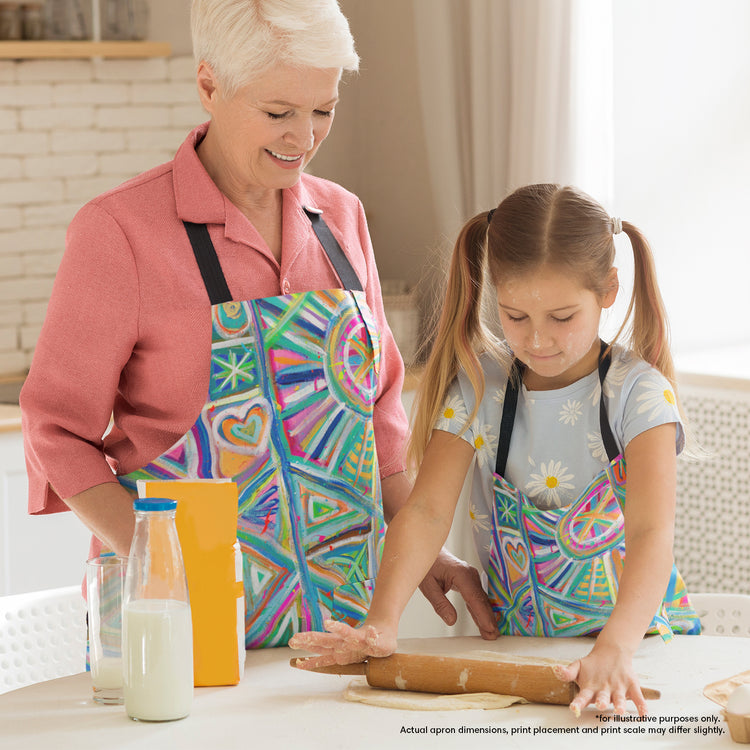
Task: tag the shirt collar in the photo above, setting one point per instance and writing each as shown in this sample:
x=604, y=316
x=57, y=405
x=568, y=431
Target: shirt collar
x=197, y=198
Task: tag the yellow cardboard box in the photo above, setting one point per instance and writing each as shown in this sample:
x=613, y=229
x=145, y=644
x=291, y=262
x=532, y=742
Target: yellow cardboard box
x=206, y=522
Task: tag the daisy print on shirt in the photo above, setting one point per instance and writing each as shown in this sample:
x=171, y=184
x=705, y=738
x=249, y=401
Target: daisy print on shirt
x=485, y=444
x=549, y=488
x=454, y=409
x=618, y=371
x=479, y=521
x=571, y=412
x=596, y=447
x=657, y=400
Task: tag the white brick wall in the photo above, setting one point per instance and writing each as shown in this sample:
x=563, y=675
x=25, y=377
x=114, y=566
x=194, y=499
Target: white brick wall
x=69, y=130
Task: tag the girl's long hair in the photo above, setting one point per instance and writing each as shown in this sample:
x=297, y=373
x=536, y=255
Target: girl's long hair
x=460, y=336
x=535, y=226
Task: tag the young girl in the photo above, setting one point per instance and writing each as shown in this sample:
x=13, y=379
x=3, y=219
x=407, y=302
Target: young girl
x=574, y=444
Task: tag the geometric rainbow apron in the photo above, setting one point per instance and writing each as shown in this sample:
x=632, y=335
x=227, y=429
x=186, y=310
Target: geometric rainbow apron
x=288, y=417
x=556, y=572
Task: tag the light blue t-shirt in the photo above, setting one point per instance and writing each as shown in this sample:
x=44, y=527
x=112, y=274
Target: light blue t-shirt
x=556, y=448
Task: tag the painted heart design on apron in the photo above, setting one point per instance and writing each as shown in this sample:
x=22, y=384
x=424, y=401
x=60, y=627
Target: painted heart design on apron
x=517, y=556
x=244, y=429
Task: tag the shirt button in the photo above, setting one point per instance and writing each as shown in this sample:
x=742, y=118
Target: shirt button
x=285, y=286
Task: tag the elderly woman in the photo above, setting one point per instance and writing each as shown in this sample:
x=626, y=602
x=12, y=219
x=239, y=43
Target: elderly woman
x=224, y=310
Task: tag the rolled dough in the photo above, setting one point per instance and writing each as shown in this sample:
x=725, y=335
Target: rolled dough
x=405, y=700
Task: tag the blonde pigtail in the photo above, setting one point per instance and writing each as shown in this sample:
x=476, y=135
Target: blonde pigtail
x=650, y=327
x=460, y=335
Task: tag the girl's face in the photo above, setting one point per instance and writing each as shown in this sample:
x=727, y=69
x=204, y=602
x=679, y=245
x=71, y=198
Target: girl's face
x=551, y=323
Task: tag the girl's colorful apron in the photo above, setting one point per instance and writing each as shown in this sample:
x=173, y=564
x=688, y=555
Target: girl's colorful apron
x=288, y=417
x=556, y=572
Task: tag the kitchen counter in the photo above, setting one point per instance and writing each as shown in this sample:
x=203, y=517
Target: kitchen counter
x=10, y=413
x=277, y=706
x=10, y=417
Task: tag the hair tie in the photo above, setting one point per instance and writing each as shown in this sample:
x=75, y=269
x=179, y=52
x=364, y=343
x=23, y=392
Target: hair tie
x=616, y=225
x=490, y=214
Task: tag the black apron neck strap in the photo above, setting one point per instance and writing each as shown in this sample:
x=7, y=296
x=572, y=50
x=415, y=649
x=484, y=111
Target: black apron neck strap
x=208, y=263
x=339, y=261
x=610, y=444
x=213, y=276
x=510, y=403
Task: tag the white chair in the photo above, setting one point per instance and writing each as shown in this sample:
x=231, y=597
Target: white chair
x=723, y=614
x=42, y=636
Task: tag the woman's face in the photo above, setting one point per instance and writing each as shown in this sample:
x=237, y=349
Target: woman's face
x=263, y=136
x=551, y=323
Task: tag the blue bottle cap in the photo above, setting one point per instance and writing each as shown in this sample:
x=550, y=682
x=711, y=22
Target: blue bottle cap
x=154, y=503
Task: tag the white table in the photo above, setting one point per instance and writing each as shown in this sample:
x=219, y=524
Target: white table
x=277, y=706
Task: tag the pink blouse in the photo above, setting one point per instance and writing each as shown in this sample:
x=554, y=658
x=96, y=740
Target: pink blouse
x=127, y=333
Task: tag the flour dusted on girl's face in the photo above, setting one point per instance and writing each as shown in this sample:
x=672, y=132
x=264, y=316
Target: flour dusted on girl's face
x=551, y=323
x=557, y=444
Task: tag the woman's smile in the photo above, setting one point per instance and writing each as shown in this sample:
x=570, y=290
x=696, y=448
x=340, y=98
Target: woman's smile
x=287, y=161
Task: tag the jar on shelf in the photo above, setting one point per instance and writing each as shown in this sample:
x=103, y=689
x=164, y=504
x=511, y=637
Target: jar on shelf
x=124, y=19
x=10, y=21
x=66, y=19
x=32, y=19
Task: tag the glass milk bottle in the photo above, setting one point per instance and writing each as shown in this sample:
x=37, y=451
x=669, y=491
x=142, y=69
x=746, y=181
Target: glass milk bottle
x=157, y=636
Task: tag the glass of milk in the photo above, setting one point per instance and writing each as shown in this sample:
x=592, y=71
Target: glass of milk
x=105, y=583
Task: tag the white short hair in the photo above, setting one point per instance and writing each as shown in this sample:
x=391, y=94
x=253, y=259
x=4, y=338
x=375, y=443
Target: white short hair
x=242, y=39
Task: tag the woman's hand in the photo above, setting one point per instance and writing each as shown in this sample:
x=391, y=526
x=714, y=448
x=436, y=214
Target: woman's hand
x=343, y=644
x=448, y=573
x=605, y=677
x=107, y=510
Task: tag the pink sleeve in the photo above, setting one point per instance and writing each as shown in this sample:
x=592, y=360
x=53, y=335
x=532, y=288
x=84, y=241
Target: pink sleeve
x=87, y=337
x=389, y=418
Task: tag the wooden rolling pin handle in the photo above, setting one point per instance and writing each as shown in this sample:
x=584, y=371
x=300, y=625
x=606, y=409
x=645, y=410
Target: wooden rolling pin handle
x=359, y=668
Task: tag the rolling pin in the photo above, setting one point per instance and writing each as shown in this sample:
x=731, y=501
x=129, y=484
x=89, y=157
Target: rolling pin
x=449, y=675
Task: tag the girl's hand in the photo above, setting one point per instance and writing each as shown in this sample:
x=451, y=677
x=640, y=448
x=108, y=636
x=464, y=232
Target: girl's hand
x=605, y=677
x=343, y=644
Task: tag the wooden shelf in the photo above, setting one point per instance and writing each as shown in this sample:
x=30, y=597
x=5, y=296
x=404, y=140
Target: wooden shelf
x=68, y=50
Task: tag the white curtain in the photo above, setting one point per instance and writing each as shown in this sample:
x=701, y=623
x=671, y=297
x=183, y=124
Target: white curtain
x=513, y=92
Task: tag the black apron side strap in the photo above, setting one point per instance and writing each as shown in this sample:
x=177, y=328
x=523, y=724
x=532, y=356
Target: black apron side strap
x=208, y=263
x=510, y=402
x=335, y=254
x=610, y=444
